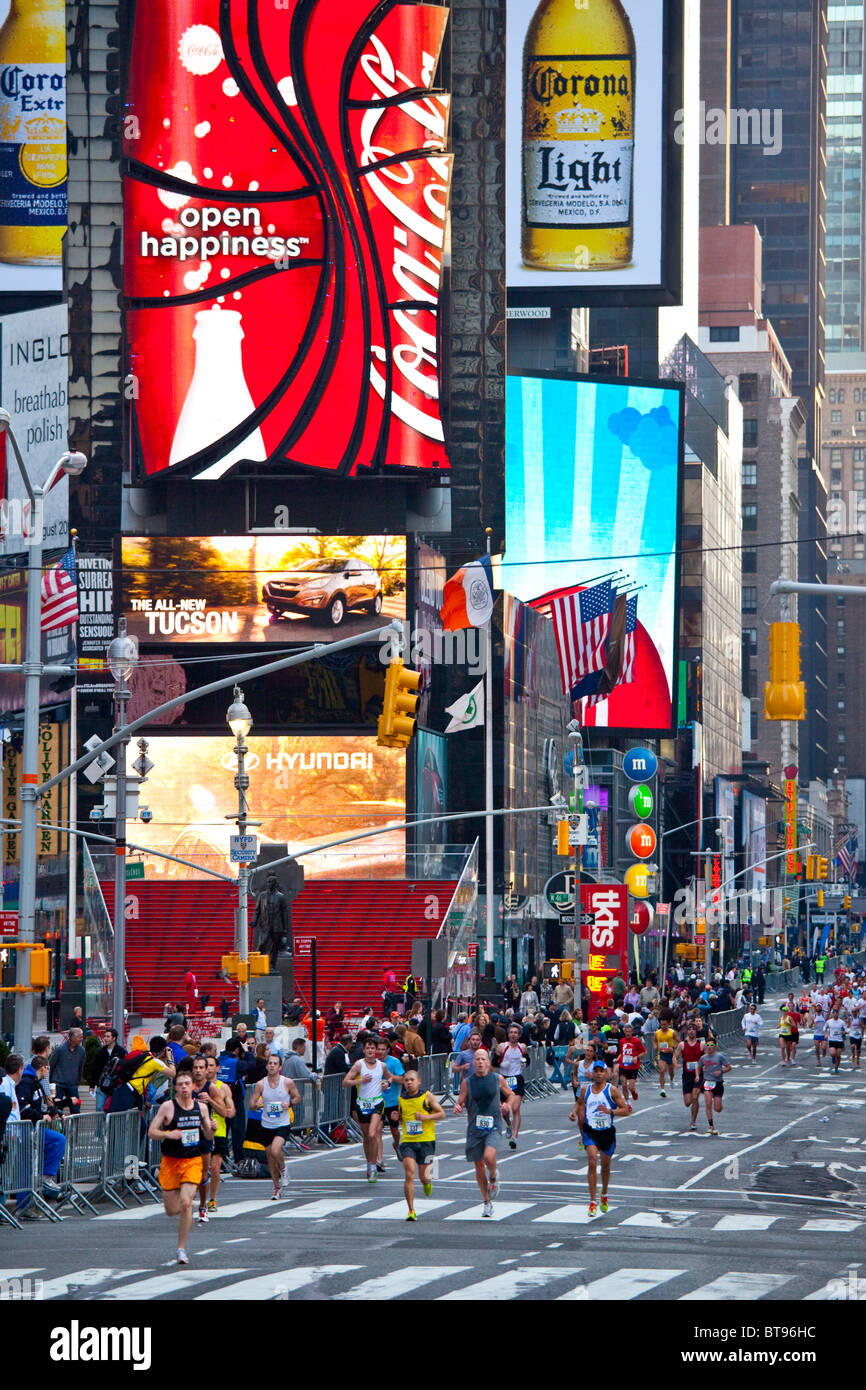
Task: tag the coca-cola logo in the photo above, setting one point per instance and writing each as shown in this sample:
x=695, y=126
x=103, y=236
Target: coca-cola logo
x=200, y=50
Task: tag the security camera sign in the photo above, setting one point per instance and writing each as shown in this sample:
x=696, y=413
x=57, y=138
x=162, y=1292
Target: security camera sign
x=244, y=849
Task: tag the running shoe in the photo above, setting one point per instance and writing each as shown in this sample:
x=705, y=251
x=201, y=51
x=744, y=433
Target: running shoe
x=427, y=1189
x=512, y=1143
x=663, y=1094
x=593, y=1209
x=380, y=1168
x=604, y=1205
x=411, y=1216
x=372, y=1175
x=635, y=1094
x=487, y=1209
x=202, y=1216
x=182, y=1257
x=692, y=1129
x=714, y=1132
x=212, y=1206
x=276, y=1195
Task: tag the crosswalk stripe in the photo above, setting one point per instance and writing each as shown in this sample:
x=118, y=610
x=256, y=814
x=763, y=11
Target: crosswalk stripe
x=622, y=1284
x=395, y=1210
x=402, y=1281
x=575, y=1214
x=501, y=1210
x=17, y=1273
x=276, y=1285
x=84, y=1279
x=168, y=1281
x=511, y=1284
x=841, y=1289
x=136, y=1214
x=741, y=1221
x=826, y=1223
x=226, y=1213
x=738, y=1287
x=325, y=1206
x=658, y=1220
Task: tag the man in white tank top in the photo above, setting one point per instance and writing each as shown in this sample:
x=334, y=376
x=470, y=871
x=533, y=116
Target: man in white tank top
x=598, y=1105
x=274, y=1096
x=510, y=1057
x=373, y=1079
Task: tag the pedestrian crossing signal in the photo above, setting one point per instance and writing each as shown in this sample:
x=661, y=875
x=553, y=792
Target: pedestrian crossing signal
x=397, y=720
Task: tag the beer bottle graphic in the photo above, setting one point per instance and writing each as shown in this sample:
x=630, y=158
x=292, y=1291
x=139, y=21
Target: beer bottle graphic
x=33, y=171
x=578, y=136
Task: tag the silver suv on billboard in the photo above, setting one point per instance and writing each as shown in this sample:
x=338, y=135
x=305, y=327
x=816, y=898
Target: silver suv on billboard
x=331, y=587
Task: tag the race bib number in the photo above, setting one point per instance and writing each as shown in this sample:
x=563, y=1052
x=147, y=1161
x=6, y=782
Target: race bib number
x=709, y=1085
x=511, y=1082
x=484, y=1122
x=414, y=1127
x=189, y=1138
x=274, y=1110
x=692, y=1066
x=366, y=1107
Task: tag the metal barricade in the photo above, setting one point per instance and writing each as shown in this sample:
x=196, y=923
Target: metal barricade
x=122, y=1164
x=333, y=1108
x=16, y=1171
x=542, y=1081
x=304, y=1112
x=440, y=1078
x=425, y=1073
x=37, y=1191
x=83, y=1158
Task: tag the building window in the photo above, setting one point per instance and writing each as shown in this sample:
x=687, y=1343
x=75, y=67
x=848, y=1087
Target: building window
x=840, y=705
x=750, y=434
x=840, y=396
x=832, y=396
x=860, y=416
x=750, y=475
x=724, y=335
x=750, y=518
x=835, y=455
x=753, y=724
x=749, y=387
x=841, y=760
x=840, y=652
x=750, y=637
x=840, y=600
x=840, y=627
x=835, y=417
x=840, y=736
x=750, y=559
x=840, y=678
x=750, y=599
x=856, y=395
x=859, y=455
x=858, y=477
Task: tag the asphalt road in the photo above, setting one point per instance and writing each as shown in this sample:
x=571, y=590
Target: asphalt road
x=774, y=1209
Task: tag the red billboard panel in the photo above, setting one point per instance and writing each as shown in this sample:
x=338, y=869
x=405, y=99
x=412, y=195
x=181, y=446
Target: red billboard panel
x=604, y=928
x=286, y=200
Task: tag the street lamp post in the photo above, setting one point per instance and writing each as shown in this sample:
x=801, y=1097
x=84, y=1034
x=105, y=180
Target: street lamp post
x=122, y=661
x=240, y=721
x=72, y=464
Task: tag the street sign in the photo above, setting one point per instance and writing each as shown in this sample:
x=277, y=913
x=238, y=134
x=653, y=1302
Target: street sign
x=135, y=869
x=578, y=830
x=8, y=923
x=243, y=849
x=304, y=946
x=472, y=950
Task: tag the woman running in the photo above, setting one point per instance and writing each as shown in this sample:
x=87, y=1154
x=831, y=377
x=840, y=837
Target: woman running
x=819, y=1033
x=666, y=1042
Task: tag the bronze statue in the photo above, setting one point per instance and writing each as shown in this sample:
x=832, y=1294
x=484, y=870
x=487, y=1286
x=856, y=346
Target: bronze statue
x=271, y=923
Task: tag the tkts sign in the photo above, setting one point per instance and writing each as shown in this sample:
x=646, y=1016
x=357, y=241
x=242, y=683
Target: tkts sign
x=604, y=929
x=286, y=201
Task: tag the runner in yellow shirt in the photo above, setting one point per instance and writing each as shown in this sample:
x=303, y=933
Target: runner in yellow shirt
x=419, y=1111
x=666, y=1042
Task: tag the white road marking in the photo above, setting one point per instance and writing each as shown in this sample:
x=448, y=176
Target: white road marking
x=509, y=1285
x=402, y=1281
x=275, y=1285
x=658, y=1219
x=830, y=1224
x=168, y=1282
x=728, y=1158
x=573, y=1215
x=326, y=1206
x=623, y=1284
x=742, y=1221
x=501, y=1211
x=137, y=1214
x=738, y=1287
x=84, y=1278
x=397, y=1210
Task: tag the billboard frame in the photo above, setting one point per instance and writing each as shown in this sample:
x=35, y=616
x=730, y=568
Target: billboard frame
x=669, y=292
x=663, y=384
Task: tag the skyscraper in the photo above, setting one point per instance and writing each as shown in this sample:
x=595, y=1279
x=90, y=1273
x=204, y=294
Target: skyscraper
x=845, y=206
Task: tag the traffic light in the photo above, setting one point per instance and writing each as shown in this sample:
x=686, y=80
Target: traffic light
x=820, y=897
x=846, y=902
x=40, y=968
x=562, y=845
x=784, y=692
x=260, y=963
x=817, y=867
x=397, y=720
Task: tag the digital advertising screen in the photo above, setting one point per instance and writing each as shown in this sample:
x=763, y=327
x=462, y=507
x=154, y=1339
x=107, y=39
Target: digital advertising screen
x=233, y=589
x=34, y=388
x=431, y=773
x=33, y=157
x=593, y=492
x=286, y=203
x=304, y=791
x=588, y=159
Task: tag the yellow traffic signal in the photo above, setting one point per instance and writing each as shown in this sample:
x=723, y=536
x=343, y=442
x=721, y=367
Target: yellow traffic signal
x=562, y=845
x=260, y=963
x=820, y=897
x=40, y=968
x=846, y=902
x=229, y=964
x=397, y=720
x=784, y=692
x=810, y=866
x=822, y=867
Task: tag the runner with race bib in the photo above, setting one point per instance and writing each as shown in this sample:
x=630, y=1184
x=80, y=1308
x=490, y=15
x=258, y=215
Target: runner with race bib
x=487, y=1100
x=714, y=1065
x=510, y=1057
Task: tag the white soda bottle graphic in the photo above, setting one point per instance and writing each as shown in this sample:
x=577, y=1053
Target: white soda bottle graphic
x=218, y=398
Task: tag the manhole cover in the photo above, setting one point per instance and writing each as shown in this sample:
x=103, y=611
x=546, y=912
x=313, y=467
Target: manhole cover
x=800, y=1178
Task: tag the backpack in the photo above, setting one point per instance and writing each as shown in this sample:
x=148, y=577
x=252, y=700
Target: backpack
x=129, y=1066
x=227, y=1070
x=109, y=1078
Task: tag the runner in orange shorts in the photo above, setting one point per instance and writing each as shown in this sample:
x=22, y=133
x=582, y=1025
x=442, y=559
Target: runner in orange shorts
x=182, y=1126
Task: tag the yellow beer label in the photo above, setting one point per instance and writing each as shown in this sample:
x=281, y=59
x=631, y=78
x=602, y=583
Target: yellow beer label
x=33, y=166
x=578, y=141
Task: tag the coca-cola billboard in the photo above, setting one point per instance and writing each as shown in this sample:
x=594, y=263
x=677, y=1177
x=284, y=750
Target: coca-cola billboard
x=285, y=222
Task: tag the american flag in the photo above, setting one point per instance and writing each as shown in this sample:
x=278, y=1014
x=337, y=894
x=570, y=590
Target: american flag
x=60, y=594
x=581, y=623
x=628, y=650
x=845, y=857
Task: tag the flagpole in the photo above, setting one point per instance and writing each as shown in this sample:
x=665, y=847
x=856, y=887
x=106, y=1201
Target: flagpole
x=72, y=910
x=488, y=790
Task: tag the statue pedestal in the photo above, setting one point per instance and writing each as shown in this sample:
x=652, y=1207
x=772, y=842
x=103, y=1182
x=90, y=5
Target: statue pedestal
x=269, y=988
x=286, y=972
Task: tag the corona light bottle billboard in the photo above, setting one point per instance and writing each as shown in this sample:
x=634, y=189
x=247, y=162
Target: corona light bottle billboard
x=578, y=137
x=33, y=168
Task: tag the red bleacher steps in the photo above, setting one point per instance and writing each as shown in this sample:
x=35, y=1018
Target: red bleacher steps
x=361, y=927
